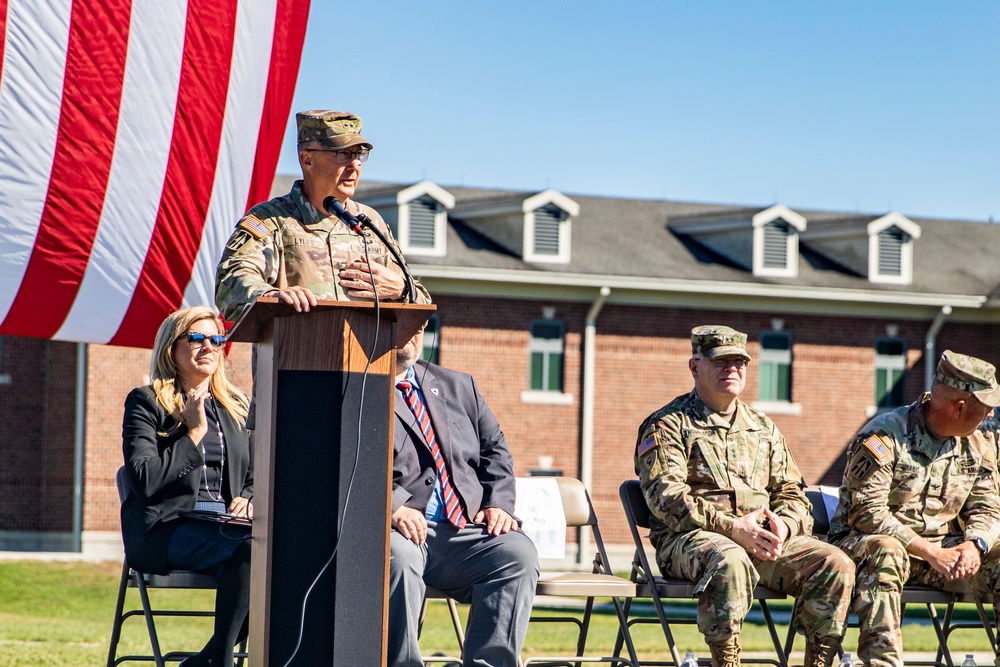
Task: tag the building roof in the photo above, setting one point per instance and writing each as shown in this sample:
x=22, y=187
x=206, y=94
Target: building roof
x=623, y=238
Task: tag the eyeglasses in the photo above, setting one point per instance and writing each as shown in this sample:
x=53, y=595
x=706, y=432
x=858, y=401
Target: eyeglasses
x=738, y=364
x=198, y=340
x=343, y=156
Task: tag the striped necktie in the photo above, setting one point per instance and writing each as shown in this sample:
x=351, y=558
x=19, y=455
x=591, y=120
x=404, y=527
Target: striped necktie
x=452, y=503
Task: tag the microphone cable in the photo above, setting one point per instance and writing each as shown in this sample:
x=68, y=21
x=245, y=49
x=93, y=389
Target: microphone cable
x=354, y=468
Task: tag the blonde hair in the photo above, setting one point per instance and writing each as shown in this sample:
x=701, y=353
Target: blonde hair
x=163, y=375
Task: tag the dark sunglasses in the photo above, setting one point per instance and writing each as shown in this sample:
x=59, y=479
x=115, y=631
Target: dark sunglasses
x=197, y=340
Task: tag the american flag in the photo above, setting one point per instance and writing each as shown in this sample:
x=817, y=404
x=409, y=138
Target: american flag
x=133, y=136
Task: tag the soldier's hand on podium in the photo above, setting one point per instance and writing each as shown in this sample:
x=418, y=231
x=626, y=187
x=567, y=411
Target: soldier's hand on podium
x=301, y=297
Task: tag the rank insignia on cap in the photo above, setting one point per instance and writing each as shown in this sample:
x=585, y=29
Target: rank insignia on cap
x=876, y=446
x=647, y=444
x=253, y=225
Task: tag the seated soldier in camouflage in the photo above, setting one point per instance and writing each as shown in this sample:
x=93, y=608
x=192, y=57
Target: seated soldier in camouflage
x=919, y=503
x=729, y=508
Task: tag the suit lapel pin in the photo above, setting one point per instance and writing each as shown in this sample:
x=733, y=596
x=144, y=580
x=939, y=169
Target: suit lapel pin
x=434, y=391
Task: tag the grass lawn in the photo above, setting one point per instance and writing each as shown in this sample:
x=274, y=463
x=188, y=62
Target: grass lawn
x=59, y=615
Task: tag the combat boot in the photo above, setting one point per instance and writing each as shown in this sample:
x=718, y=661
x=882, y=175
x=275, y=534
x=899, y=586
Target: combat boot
x=821, y=653
x=725, y=654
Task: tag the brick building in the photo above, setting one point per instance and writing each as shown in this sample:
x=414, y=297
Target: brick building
x=574, y=313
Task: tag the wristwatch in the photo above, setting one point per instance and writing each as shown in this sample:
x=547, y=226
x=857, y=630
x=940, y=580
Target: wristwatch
x=980, y=545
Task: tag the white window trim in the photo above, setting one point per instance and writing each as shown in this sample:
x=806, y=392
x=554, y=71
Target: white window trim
x=908, y=227
x=562, y=257
x=440, y=247
x=889, y=362
x=536, y=397
x=761, y=220
x=775, y=357
x=778, y=407
x=535, y=202
x=412, y=193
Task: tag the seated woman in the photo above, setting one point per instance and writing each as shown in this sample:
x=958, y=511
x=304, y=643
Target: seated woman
x=186, y=448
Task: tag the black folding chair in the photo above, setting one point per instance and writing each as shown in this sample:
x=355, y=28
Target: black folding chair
x=661, y=589
x=176, y=579
x=931, y=598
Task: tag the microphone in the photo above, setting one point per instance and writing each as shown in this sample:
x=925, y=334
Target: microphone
x=334, y=207
x=358, y=223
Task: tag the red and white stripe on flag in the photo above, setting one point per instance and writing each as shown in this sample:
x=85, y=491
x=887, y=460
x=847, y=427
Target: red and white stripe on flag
x=133, y=136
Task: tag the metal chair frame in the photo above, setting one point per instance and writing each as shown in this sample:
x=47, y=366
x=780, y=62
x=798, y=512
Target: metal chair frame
x=660, y=589
x=176, y=579
x=931, y=598
x=600, y=582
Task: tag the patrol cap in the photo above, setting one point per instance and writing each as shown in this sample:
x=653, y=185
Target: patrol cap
x=969, y=374
x=712, y=341
x=334, y=129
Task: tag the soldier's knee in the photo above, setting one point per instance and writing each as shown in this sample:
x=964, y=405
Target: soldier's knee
x=888, y=556
x=882, y=566
x=840, y=565
x=733, y=566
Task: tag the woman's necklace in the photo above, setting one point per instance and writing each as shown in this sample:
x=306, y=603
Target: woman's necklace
x=222, y=462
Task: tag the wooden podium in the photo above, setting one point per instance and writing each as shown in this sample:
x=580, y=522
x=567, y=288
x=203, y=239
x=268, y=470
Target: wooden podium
x=323, y=478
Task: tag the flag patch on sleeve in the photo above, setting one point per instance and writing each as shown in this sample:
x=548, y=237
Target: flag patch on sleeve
x=876, y=446
x=647, y=444
x=253, y=225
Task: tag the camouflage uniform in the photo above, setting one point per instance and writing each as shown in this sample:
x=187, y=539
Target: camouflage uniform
x=902, y=482
x=285, y=242
x=699, y=471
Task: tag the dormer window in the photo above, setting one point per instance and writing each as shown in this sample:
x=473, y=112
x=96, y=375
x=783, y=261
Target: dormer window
x=547, y=221
x=417, y=216
x=424, y=212
x=537, y=229
x=776, y=242
x=890, y=252
x=890, y=249
x=547, y=225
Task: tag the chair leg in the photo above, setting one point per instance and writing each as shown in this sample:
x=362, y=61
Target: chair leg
x=789, y=641
x=624, y=636
x=147, y=610
x=941, y=637
x=987, y=626
x=116, y=628
x=665, y=626
x=456, y=622
x=771, y=630
x=946, y=630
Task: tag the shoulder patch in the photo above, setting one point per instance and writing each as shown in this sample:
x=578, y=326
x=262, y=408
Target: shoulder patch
x=876, y=446
x=254, y=226
x=647, y=444
x=862, y=468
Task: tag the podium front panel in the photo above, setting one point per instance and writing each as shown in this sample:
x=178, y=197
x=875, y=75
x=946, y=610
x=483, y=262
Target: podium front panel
x=321, y=476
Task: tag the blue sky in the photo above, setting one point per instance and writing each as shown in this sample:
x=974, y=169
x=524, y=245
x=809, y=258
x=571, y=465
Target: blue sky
x=849, y=106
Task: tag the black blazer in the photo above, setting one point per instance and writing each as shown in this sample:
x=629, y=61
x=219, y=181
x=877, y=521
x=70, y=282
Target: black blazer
x=470, y=439
x=164, y=474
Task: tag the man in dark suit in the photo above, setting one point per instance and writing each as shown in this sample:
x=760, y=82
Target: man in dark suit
x=452, y=516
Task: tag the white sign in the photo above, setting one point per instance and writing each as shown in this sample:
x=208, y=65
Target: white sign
x=540, y=509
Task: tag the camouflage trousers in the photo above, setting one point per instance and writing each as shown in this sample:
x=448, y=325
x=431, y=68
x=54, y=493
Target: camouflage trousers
x=818, y=575
x=883, y=567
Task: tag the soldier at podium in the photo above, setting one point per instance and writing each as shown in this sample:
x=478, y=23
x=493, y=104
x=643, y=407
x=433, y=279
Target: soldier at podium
x=452, y=516
x=291, y=248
